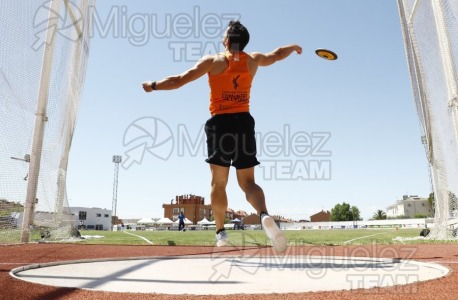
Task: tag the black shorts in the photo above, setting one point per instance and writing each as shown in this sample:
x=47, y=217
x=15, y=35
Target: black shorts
x=231, y=140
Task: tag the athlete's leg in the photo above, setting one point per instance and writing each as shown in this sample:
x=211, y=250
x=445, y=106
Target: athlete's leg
x=220, y=176
x=253, y=192
x=255, y=196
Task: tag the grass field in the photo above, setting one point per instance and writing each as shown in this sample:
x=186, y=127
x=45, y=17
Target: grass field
x=239, y=237
x=257, y=237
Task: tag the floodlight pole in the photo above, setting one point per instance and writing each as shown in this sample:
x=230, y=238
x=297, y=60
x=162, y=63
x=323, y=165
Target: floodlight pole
x=117, y=159
x=40, y=122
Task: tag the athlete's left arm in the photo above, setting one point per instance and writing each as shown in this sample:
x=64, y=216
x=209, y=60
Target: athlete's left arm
x=202, y=67
x=278, y=54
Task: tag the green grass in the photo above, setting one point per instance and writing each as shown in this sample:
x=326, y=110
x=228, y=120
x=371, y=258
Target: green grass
x=10, y=236
x=257, y=237
x=238, y=237
x=353, y=236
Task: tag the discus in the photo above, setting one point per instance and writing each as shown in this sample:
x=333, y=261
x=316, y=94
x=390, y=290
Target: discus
x=326, y=54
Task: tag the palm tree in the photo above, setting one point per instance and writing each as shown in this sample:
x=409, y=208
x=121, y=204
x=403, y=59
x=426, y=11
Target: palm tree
x=379, y=215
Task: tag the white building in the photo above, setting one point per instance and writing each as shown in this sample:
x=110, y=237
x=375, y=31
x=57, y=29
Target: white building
x=409, y=206
x=92, y=218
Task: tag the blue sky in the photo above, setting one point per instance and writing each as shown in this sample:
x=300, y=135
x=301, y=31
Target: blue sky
x=355, y=113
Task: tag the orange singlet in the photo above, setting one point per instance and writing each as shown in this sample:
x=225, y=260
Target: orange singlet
x=230, y=90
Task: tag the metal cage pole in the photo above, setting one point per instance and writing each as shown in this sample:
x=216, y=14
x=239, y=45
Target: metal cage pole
x=40, y=122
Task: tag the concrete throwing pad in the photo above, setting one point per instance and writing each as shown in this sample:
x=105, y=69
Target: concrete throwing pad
x=222, y=275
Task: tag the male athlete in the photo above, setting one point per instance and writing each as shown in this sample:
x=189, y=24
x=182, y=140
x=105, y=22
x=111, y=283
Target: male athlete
x=230, y=131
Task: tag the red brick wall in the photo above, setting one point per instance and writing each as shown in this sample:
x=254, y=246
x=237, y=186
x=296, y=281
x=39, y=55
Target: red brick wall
x=322, y=216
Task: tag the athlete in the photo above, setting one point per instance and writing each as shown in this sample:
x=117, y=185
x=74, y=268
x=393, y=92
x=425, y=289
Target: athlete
x=181, y=218
x=230, y=130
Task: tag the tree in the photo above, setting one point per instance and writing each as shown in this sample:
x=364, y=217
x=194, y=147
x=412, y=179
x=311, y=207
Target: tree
x=379, y=215
x=452, y=202
x=343, y=212
x=431, y=203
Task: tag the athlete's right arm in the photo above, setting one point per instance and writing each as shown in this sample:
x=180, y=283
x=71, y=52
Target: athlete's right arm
x=202, y=67
x=280, y=53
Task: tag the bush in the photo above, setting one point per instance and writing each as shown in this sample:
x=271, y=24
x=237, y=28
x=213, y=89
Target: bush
x=420, y=216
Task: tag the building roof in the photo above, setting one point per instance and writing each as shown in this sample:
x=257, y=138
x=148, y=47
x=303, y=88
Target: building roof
x=321, y=212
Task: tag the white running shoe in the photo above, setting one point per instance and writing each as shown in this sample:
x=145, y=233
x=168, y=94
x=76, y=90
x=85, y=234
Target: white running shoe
x=276, y=236
x=221, y=239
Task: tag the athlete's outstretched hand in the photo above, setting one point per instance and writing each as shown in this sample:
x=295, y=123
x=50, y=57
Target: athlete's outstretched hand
x=147, y=86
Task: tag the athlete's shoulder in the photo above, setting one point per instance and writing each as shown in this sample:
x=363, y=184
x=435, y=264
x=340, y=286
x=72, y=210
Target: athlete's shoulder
x=256, y=55
x=213, y=58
